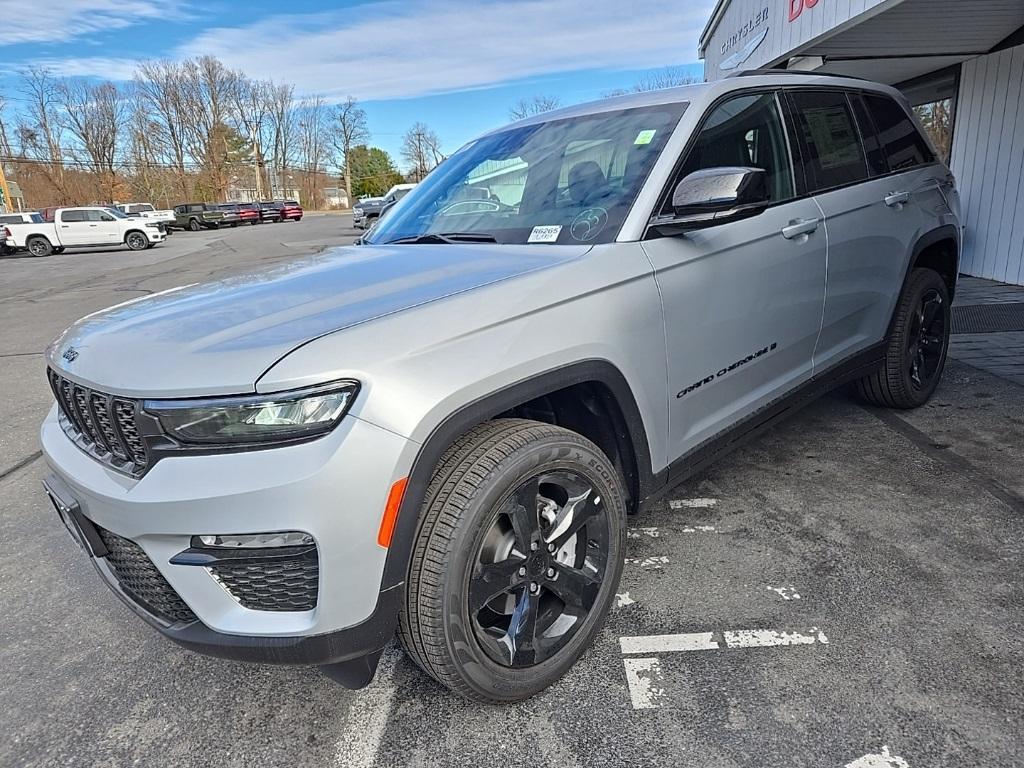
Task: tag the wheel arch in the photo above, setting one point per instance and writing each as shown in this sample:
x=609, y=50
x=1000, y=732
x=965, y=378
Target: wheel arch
x=600, y=378
x=939, y=250
x=132, y=232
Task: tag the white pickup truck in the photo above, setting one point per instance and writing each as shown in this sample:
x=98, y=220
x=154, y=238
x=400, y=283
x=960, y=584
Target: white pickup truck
x=85, y=226
x=146, y=211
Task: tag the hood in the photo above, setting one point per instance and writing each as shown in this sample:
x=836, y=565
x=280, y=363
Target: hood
x=219, y=338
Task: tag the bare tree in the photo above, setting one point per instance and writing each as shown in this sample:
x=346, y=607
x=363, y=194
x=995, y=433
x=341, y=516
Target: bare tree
x=351, y=131
x=421, y=151
x=95, y=116
x=669, y=77
x=160, y=89
x=315, y=149
x=252, y=110
x=207, y=87
x=283, y=125
x=533, y=106
x=40, y=132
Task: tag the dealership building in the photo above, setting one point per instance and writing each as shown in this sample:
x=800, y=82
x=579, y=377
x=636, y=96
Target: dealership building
x=961, y=64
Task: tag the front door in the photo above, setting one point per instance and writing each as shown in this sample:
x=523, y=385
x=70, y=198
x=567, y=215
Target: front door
x=104, y=227
x=742, y=301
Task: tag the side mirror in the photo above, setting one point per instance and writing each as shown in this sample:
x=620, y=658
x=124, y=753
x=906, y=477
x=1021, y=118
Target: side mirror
x=714, y=196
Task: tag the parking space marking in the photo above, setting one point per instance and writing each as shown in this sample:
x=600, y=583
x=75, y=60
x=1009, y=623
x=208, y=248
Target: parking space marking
x=650, y=563
x=692, y=503
x=766, y=638
x=695, y=641
x=786, y=593
x=622, y=599
x=643, y=676
x=368, y=715
x=699, y=529
x=636, y=533
x=882, y=760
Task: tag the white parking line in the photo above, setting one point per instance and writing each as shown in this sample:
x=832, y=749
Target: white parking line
x=882, y=760
x=636, y=533
x=696, y=641
x=692, y=503
x=651, y=563
x=622, y=599
x=643, y=676
x=766, y=638
x=786, y=593
x=368, y=716
x=698, y=529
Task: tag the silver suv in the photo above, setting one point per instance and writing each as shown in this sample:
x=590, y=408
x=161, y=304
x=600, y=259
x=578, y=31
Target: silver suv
x=440, y=433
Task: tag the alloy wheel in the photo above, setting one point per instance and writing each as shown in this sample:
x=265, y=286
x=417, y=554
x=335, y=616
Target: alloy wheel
x=539, y=568
x=927, y=339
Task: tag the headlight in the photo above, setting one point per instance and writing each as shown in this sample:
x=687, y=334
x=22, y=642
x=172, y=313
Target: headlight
x=279, y=417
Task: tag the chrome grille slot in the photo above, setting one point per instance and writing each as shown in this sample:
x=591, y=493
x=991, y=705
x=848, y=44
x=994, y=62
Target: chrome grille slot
x=101, y=425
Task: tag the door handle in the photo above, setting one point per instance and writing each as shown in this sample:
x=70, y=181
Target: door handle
x=799, y=227
x=896, y=198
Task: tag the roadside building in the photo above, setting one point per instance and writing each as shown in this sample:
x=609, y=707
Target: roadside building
x=961, y=64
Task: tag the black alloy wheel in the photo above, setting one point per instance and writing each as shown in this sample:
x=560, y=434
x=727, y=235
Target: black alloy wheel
x=539, y=568
x=927, y=339
x=136, y=241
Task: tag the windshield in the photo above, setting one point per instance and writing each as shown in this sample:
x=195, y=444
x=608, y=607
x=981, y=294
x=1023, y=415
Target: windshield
x=116, y=213
x=563, y=181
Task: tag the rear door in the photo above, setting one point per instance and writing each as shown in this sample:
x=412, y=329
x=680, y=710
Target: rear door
x=743, y=300
x=870, y=216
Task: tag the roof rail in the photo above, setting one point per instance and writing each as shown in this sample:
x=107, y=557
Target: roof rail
x=771, y=71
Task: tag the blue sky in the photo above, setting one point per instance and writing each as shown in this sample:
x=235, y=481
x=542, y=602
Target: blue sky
x=457, y=65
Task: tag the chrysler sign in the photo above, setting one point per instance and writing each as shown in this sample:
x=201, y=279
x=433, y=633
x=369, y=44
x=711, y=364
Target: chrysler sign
x=744, y=41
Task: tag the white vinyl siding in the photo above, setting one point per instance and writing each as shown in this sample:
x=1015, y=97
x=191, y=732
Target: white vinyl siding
x=988, y=160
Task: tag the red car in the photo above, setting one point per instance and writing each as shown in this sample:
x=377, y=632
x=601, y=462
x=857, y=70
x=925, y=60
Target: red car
x=290, y=209
x=249, y=213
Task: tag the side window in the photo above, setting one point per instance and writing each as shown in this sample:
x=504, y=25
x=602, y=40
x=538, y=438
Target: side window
x=96, y=216
x=10, y=219
x=743, y=131
x=903, y=145
x=72, y=216
x=828, y=138
x=877, y=164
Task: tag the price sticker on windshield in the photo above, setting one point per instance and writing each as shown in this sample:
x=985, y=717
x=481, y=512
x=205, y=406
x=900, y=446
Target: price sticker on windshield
x=544, y=234
x=645, y=137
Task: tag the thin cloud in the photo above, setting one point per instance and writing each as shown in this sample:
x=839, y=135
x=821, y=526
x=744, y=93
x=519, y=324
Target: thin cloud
x=389, y=49
x=91, y=66
x=70, y=19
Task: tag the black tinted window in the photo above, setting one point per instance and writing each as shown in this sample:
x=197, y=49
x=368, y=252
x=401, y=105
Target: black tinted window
x=872, y=148
x=903, y=145
x=828, y=139
x=745, y=131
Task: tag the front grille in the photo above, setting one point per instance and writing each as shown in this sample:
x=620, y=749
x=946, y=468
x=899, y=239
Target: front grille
x=141, y=581
x=272, y=585
x=102, y=425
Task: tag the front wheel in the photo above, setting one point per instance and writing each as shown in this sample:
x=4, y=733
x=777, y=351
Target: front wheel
x=915, y=353
x=516, y=560
x=136, y=241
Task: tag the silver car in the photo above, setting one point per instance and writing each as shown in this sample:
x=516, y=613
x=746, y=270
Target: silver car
x=438, y=434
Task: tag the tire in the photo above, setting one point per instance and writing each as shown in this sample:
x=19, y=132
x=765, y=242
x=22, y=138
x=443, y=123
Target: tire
x=193, y=225
x=915, y=353
x=150, y=245
x=59, y=249
x=234, y=224
x=39, y=246
x=456, y=623
x=136, y=240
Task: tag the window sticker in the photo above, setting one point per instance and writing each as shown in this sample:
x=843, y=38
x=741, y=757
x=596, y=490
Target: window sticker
x=645, y=137
x=544, y=234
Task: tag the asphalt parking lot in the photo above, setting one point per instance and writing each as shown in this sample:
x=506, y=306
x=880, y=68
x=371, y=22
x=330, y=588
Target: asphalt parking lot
x=846, y=592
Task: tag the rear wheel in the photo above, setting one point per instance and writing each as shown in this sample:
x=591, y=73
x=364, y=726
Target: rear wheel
x=916, y=351
x=137, y=241
x=39, y=246
x=518, y=554
x=193, y=224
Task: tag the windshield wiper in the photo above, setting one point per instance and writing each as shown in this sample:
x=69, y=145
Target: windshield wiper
x=446, y=237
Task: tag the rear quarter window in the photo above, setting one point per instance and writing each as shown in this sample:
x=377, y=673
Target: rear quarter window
x=903, y=146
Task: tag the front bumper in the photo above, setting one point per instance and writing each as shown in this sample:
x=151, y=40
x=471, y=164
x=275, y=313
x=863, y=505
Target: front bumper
x=334, y=488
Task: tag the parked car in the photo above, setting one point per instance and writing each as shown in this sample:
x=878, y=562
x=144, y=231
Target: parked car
x=85, y=226
x=232, y=216
x=22, y=217
x=291, y=210
x=440, y=433
x=395, y=194
x=146, y=211
x=249, y=213
x=196, y=216
x=271, y=210
x=366, y=211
